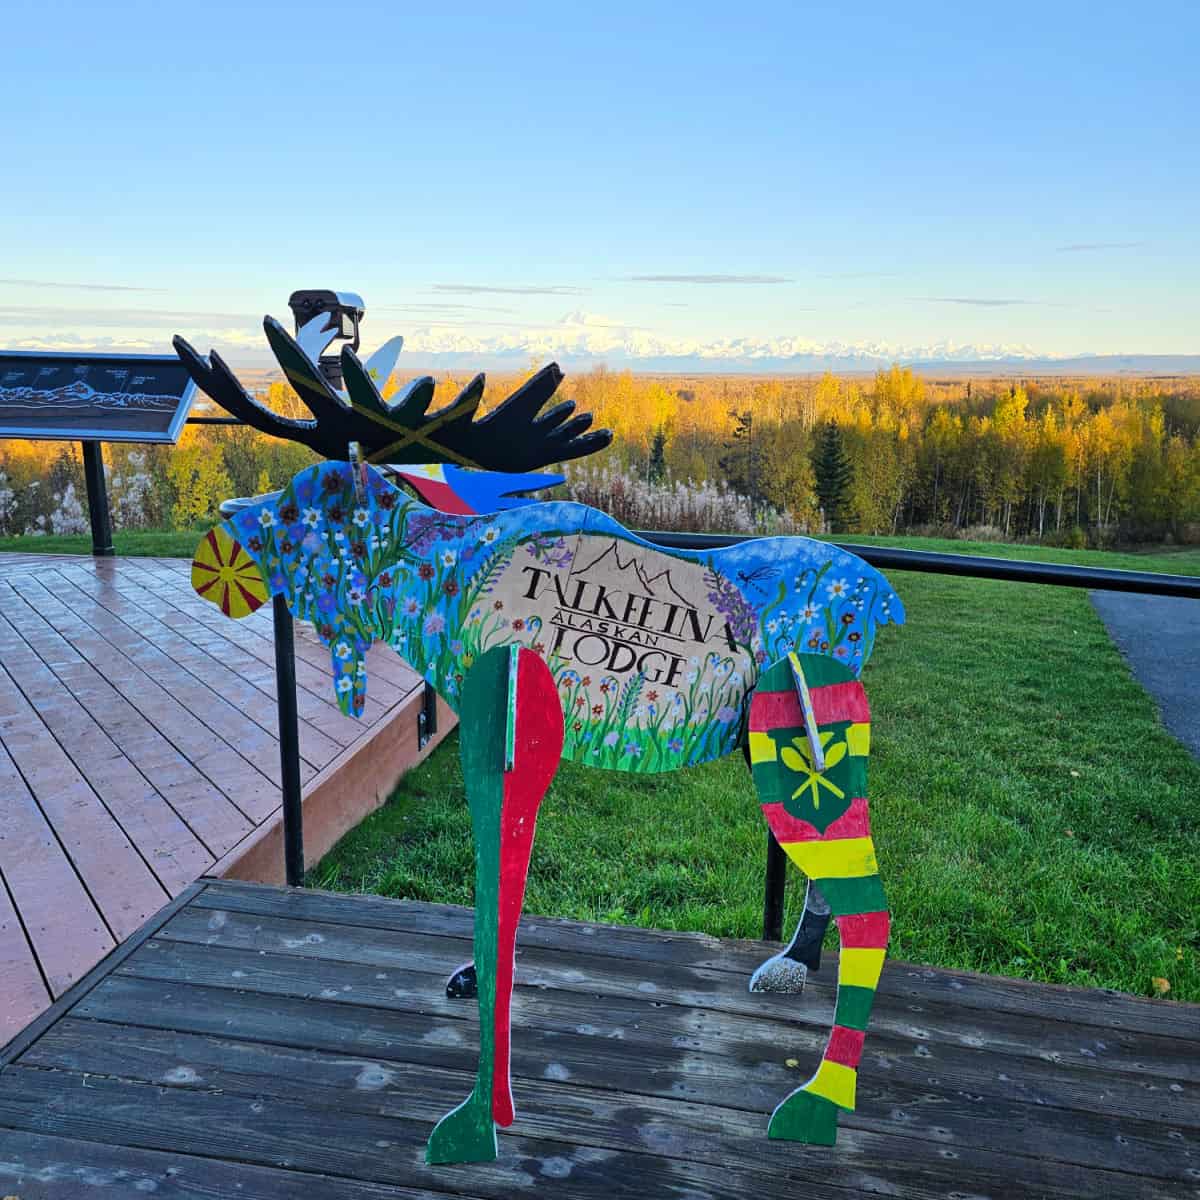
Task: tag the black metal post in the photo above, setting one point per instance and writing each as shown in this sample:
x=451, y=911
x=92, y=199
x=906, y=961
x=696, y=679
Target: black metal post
x=289, y=743
x=427, y=717
x=773, y=890
x=97, y=498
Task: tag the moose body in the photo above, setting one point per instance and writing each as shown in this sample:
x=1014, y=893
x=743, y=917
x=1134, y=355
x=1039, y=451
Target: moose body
x=653, y=651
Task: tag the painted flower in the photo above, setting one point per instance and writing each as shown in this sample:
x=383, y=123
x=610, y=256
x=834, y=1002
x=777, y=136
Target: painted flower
x=342, y=650
x=434, y=623
x=456, y=647
x=361, y=516
x=675, y=745
x=809, y=612
x=632, y=749
x=490, y=534
x=266, y=518
x=597, y=710
x=344, y=684
x=425, y=571
x=577, y=725
x=518, y=624
x=356, y=595
x=612, y=738
x=447, y=558
x=838, y=588
x=772, y=626
x=450, y=587
x=848, y=618
x=331, y=482
x=725, y=714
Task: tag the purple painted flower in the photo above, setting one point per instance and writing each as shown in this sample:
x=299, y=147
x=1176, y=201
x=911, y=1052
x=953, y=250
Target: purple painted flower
x=675, y=745
x=725, y=714
x=611, y=739
x=632, y=749
x=434, y=623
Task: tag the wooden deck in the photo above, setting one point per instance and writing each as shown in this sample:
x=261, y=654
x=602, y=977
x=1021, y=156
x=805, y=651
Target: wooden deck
x=138, y=751
x=273, y=1044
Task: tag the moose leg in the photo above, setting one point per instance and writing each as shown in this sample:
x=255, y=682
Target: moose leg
x=510, y=742
x=787, y=971
x=845, y=870
x=808, y=749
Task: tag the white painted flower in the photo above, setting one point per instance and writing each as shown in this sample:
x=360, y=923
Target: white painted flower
x=361, y=516
x=344, y=684
x=266, y=518
x=312, y=518
x=342, y=650
x=809, y=612
x=839, y=587
x=447, y=558
x=490, y=534
x=692, y=676
x=772, y=626
x=361, y=669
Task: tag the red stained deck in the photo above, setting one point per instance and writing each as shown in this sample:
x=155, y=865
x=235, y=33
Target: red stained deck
x=139, y=751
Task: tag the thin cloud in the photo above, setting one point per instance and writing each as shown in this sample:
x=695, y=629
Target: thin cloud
x=706, y=279
x=973, y=301
x=1088, y=247
x=480, y=289
x=77, y=287
x=861, y=275
x=437, y=306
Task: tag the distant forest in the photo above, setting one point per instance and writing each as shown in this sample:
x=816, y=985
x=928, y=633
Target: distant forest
x=1080, y=462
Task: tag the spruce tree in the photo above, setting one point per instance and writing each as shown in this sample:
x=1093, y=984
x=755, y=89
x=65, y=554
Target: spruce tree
x=833, y=472
x=656, y=470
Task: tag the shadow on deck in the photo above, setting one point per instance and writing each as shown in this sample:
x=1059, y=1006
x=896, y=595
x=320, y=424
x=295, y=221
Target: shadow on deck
x=266, y=1043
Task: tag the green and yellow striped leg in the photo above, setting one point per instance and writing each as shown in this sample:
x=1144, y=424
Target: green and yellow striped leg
x=819, y=814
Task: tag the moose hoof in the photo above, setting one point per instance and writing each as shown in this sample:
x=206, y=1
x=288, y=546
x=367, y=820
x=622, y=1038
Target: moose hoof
x=780, y=974
x=463, y=984
x=803, y=1117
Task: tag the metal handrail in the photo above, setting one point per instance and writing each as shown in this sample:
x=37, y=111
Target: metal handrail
x=973, y=566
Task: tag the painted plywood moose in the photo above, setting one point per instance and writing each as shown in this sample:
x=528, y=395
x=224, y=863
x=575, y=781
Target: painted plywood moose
x=556, y=633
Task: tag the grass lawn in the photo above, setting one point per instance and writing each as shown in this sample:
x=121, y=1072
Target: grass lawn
x=1032, y=816
x=156, y=543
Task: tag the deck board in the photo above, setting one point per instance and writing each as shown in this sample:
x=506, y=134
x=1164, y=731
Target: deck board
x=265, y=1039
x=138, y=747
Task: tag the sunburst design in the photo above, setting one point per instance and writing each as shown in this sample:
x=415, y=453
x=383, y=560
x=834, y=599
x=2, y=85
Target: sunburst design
x=225, y=575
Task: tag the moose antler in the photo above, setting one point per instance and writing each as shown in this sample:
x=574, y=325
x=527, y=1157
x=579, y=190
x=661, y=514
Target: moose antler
x=516, y=436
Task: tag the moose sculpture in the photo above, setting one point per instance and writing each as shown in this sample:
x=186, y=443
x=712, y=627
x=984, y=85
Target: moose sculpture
x=556, y=633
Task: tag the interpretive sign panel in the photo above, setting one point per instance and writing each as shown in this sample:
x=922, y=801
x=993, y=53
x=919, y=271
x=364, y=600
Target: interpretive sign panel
x=93, y=397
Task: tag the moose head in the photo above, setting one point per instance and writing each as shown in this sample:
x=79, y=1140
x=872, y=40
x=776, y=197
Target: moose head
x=514, y=437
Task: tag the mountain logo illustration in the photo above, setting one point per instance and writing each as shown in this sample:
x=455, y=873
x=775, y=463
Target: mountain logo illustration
x=634, y=563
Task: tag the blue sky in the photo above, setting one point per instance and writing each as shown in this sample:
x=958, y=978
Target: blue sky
x=621, y=181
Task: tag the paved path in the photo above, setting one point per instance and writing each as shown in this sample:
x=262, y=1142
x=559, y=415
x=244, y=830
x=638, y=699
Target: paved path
x=1167, y=667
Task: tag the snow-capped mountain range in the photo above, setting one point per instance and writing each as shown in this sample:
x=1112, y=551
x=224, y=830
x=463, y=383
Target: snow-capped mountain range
x=79, y=394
